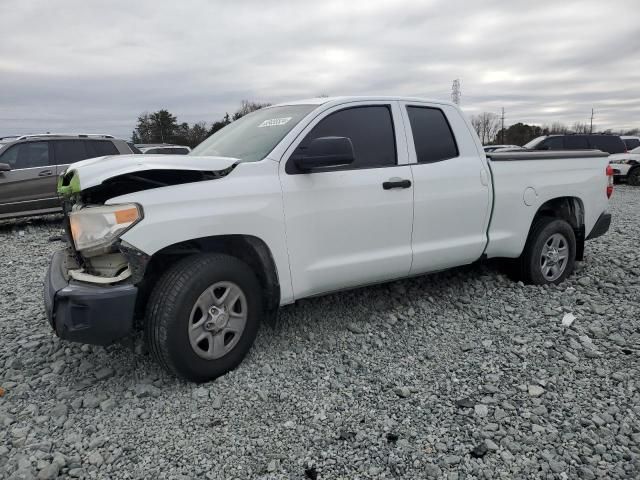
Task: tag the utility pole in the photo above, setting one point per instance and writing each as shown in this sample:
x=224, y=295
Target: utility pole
x=502, y=130
x=591, y=125
x=456, y=92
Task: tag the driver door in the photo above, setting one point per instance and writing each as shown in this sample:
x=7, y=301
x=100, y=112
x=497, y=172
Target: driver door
x=344, y=227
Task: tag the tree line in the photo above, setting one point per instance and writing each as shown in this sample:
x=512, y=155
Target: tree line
x=163, y=127
x=487, y=126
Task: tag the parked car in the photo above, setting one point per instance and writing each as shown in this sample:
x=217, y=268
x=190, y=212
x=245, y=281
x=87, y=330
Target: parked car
x=626, y=166
x=606, y=143
x=298, y=200
x=163, y=149
x=631, y=142
x=492, y=148
x=30, y=165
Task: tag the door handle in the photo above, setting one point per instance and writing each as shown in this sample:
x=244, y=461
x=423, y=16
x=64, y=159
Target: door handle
x=396, y=183
x=45, y=173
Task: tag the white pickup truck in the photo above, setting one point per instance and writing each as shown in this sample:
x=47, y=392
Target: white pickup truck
x=297, y=200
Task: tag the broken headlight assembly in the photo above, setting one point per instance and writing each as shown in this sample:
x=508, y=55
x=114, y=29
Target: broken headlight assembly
x=94, y=229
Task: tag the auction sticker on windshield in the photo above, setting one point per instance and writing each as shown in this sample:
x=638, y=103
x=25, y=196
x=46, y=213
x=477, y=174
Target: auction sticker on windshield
x=274, y=122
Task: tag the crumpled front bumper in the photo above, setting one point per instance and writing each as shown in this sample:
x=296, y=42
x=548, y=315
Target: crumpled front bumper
x=84, y=312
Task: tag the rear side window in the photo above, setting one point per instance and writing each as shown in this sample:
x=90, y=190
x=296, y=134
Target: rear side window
x=179, y=151
x=69, y=151
x=607, y=143
x=370, y=130
x=100, y=148
x=631, y=143
x=432, y=135
x=576, y=142
x=154, y=150
x=27, y=155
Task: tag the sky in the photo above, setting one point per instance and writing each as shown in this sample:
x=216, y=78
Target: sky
x=93, y=67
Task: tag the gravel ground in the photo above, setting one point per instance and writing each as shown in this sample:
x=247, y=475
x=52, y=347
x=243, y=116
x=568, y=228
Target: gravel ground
x=458, y=375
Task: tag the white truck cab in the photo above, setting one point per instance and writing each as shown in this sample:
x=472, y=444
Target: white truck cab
x=297, y=200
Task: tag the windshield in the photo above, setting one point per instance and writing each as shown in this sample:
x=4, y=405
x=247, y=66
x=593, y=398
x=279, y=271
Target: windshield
x=635, y=151
x=533, y=143
x=253, y=136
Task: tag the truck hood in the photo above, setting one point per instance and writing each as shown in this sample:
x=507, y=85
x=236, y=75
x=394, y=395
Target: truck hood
x=90, y=173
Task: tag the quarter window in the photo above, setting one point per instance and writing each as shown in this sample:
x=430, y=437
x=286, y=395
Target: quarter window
x=370, y=130
x=27, y=155
x=100, y=148
x=432, y=135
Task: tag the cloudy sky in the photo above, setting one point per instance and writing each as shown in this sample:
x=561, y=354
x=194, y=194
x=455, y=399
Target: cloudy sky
x=79, y=65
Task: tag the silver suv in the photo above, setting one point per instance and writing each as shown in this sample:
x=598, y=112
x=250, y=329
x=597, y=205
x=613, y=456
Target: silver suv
x=30, y=165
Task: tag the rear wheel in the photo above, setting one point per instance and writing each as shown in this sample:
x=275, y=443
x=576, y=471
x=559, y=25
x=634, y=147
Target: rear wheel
x=203, y=316
x=633, y=178
x=550, y=252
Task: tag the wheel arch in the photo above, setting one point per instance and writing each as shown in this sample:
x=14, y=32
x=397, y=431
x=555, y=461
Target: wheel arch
x=570, y=209
x=248, y=248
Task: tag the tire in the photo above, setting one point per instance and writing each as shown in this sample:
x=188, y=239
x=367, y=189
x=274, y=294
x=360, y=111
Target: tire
x=633, y=178
x=548, y=236
x=177, y=315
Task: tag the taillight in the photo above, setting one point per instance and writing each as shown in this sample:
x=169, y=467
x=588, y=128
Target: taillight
x=609, y=181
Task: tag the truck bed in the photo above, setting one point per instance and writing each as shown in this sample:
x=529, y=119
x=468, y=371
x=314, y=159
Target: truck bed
x=524, y=181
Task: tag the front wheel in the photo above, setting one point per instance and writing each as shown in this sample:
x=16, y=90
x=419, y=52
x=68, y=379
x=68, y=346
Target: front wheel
x=203, y=316
x=550, y=252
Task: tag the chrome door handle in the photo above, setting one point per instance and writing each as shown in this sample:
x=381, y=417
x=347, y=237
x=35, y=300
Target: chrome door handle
x=45, y=173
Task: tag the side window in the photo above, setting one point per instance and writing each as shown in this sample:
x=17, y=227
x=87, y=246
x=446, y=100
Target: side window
x=432, y=135
x=69, y=151
x=552, y=143
x=154, y=150
x=576, y=142
x=631, y=143
x=180, y=151
x=27, y=155
x=607, y=143
x=370, y=130
x=100, y=148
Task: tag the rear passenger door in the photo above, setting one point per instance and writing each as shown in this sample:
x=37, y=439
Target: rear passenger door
x=31, y=183
x=452, y=195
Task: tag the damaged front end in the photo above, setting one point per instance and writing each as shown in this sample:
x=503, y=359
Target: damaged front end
x=92, y=287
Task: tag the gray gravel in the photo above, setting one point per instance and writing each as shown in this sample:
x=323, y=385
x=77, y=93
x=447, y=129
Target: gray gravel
x=458, y=375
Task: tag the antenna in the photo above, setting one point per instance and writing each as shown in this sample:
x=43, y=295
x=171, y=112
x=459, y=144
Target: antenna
x=456, y=91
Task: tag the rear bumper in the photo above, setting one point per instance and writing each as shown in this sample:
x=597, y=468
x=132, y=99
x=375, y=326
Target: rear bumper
x=601, y=227
x=86, y=313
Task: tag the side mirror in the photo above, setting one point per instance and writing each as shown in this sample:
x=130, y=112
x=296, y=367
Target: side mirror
x=325, y=152
x=5, y=167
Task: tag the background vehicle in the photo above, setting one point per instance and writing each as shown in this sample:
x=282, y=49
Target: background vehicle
x=492, y=148
x=303, y=199
x=626, y=166
x=606, y=143
x=30, y=165
x=163, y=149
x=631, y=142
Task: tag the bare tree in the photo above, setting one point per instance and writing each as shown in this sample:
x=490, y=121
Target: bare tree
x=581, y=127
x=486, y=126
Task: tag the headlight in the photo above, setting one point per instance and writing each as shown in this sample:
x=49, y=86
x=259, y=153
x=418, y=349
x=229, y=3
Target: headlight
x=93, y=228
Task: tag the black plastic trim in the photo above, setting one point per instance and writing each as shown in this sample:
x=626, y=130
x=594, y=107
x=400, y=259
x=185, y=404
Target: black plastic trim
x=544, y=155
x=83, y=312
x=601, y=227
